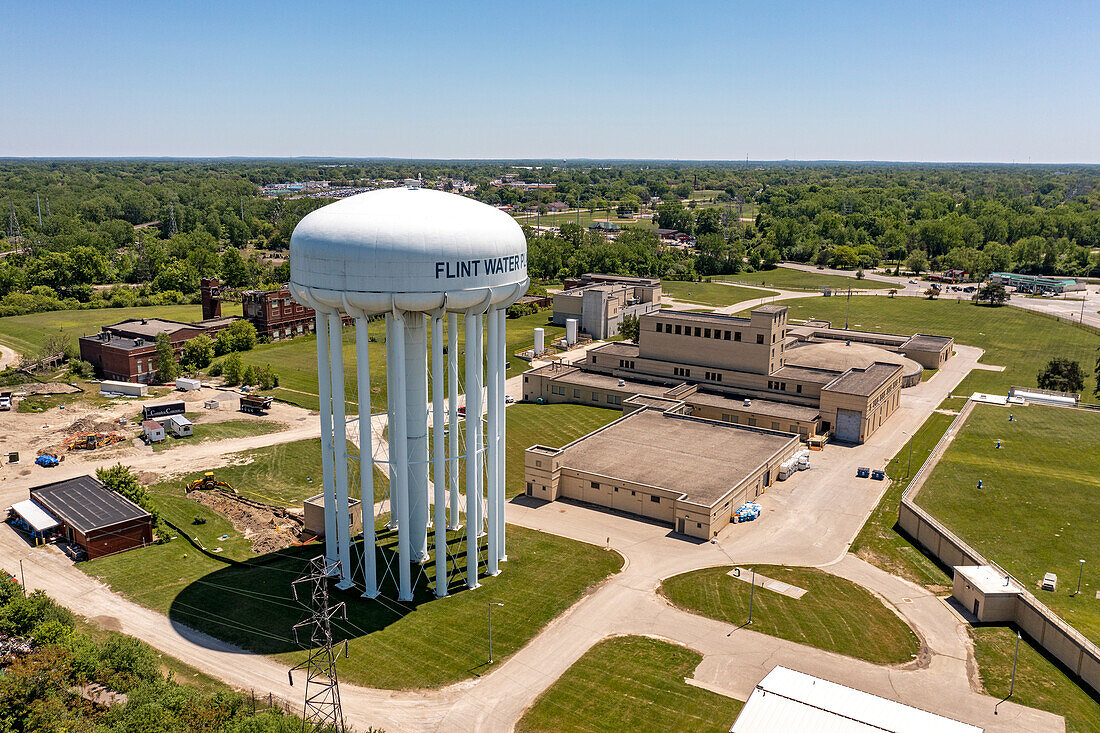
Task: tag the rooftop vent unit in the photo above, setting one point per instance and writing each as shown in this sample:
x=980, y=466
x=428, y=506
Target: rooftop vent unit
x=139, y=342
x=748, y=402
x=622, y=382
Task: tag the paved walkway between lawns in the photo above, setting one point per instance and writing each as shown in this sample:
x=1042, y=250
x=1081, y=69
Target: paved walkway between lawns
x=809, y=519
x=748, y=575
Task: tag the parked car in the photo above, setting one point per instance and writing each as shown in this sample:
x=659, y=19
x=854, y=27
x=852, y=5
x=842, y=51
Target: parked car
x=462, y=410
x=509, y=399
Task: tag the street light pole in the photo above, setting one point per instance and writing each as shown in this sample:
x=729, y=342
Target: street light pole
x=1080, y=571
x=909, y=468
x=491, y=604
x=1012, y=684
x=22, y=578
x=752, y=592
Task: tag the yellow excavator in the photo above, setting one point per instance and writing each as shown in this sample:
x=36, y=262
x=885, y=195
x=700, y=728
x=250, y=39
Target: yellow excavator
x=208, y=482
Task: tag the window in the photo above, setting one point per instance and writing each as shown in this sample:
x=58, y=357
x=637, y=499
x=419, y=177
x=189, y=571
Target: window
x=655, y=499
x=699, y=525
x=736, y=335
x=697, y=331
x=525, y=380
x=677, y=329
x=595, y=397
x=595, y=484
x=783, y=386
x=798, y=388
x=706, y=333
x=775, y=425
x=633, y=493
x=717, y=334
x=139, y=366
x=576, y=394
x=530, y=487
x=759, y=338
x=727, y=418
x=752, y=421
x=726, y=335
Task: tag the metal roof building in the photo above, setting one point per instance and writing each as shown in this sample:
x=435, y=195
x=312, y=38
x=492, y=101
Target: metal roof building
x=98, y=519
x=786, y=700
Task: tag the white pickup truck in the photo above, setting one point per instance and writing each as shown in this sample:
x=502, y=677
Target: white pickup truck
x=5, y=400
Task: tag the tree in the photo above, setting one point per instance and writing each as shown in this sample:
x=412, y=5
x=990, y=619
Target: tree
x=235, y=272
x=232, y=368
x=992, y=293
x=708, y=221
x=167, y=366
x=1061, y=375
x=198, y=352
x=917, y=262
x=893, y=292
x=932, y=293
x=629, y=328
x=673, y=215
x=123, y=480
x=240, y=336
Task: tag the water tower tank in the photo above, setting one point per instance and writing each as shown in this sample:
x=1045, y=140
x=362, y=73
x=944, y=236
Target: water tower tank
x=420, y=259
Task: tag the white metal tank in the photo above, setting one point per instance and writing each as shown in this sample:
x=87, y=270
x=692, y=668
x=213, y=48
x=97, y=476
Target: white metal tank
x=419, y=258
x=570, y=331
x=540, y=341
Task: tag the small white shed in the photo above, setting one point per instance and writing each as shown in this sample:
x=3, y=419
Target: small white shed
x=188, y=385
x=152, y=430
x=179, y=426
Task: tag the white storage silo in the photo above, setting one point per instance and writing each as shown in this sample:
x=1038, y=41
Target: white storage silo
x=540, y=341
x=419, y=258
x=570, y=331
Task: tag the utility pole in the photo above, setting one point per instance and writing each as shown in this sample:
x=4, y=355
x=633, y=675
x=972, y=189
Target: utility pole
x=22, y=577
x=38, y=199
x=1012, y=684
x=322, y=696
x=491, y=604
x=1080, y=572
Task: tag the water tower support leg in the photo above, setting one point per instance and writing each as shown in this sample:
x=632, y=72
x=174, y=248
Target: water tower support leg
x=439, y=478
x=324, y=393
x=399, y=458
x=340, y=449
x=473, y=421
x=452, y=417
x=366, y=456
x=491, y=447
x=502, y=424
x=416, y=431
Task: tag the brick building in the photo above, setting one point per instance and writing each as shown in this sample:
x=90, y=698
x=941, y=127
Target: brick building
x=276, y=315
x=126, y=351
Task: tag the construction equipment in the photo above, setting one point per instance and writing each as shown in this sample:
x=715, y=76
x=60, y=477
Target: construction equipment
x=92, y=441
x=208, y=482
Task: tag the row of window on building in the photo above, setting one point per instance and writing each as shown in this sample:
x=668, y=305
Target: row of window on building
x=782, y=386
x=707, y=333
x=611, y=398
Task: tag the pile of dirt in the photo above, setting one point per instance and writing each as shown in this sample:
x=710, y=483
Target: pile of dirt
x=48, y=388
x=94, y=424
x=268, y=528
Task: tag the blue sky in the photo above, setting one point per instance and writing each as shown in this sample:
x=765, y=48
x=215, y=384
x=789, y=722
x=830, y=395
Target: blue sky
x=930, y=81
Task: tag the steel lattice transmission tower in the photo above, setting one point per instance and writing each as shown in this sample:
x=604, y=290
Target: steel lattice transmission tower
x=322, y=697
x=172, y=230
x=14, y=230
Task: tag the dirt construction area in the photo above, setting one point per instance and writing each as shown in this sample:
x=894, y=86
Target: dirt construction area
x=268, y=528
x=73, y=414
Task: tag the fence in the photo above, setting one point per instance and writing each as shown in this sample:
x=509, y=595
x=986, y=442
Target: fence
x=1046, y=628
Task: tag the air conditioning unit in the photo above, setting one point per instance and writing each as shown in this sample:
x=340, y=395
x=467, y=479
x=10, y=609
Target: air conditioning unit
x=748, y=402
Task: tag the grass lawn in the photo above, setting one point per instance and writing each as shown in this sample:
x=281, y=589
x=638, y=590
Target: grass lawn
x=550, y=425
x=428, y=642
x=879, y=542
x=1036, y=512
x=788, y=279
x=285, y=473
x=835, y=614
x=221, y=431
x=714, y=294
x=631, y=683
x=1040, y=683
x=27, y=334
x=295, y=361
x=1021, y=341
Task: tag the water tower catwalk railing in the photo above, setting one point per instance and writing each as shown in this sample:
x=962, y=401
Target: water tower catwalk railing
x=418, y=481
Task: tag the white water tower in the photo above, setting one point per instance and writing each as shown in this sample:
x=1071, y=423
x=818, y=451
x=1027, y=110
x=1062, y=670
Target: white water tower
x=420, y=258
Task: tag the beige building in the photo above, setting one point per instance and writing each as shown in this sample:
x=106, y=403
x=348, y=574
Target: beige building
x=755, y=371
x=987, y=594
x=600, y=302
x=660, y=464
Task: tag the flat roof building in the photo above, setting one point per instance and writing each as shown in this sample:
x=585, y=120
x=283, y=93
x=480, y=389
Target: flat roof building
x=600, y=302
x=685, y=471
x=99, y=520
x=743, y=368
x=788, y=700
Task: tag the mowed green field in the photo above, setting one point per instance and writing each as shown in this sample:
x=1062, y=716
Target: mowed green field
x=1021, y=341
x=428, y=643
x=295, y=361
x=225, y=430
x=1036, y=512
x=27, y=334
x=788, y=279
x=714, y=294
x=1039, y=682
x=631, y=683
x=835, y=614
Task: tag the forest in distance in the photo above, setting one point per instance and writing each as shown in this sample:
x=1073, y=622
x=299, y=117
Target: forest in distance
x=125, y=232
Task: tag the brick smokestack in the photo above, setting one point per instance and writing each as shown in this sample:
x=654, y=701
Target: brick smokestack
x=211, y=298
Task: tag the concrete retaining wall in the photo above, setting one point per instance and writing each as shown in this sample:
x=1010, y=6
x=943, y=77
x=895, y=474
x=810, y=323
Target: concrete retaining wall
x=1046, y=628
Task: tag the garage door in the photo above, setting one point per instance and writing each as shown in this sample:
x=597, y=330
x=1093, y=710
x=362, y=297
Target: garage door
x=847, y=426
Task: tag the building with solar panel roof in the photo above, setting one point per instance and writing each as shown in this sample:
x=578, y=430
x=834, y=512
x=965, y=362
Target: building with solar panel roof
x=99, y=520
